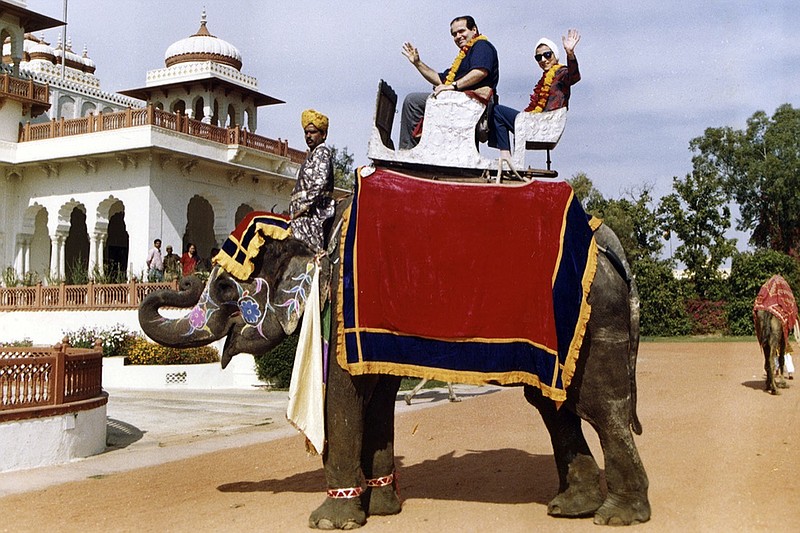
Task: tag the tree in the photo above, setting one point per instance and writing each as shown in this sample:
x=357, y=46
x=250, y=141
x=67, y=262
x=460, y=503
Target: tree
x=760, y=168
x=343, y=176
x=633, y=219
x=698, y=214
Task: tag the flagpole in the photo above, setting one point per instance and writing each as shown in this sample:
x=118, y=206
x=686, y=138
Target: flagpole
x=64, y=43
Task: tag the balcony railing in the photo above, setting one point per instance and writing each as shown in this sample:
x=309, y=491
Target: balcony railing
x=151, y=116
x=25, y=91
x=36, y=382
x=90, y=297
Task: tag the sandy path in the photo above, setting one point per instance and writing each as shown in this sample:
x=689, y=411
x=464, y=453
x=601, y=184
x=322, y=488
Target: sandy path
x=721, y=455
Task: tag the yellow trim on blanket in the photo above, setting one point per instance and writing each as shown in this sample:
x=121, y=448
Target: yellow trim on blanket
x=586, y=311
x=595, y=222
x=554, y=274
x=457, y=376
x=483, y=340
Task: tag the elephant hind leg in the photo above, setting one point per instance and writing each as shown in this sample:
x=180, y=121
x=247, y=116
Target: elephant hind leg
x=627, y=502
x=579, y=491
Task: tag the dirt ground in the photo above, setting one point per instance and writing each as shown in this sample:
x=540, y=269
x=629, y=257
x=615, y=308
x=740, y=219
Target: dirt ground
x=721, y=455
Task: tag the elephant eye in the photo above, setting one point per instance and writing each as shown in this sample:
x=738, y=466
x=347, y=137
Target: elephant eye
x=226, y=290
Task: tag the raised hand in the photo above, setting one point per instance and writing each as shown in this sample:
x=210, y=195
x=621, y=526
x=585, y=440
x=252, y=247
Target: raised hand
x=411, y=53
x=570, y=40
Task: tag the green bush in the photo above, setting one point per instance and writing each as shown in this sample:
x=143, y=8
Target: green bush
x=141, y=352
x=24, y=343
x=112, y=338
x=662, y=300
x=276, y=365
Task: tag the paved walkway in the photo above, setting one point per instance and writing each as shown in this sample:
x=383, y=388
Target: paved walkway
x=150, y=427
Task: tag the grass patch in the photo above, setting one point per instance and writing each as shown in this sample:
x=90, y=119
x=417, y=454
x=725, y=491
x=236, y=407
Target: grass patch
x=700, y=338
x=410, y=383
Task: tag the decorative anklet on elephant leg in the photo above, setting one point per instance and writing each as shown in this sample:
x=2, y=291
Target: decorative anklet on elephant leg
x=348, y=493
x=381, y=481
x=384, y=481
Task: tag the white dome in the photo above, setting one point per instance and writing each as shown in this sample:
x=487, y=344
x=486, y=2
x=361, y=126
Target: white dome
x=202, y=46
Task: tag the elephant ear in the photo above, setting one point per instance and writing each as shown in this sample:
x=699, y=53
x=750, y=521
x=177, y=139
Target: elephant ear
x=293, y=290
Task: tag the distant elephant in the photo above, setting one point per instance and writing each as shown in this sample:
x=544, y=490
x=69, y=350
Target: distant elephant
x=774, y=314
x=360, y=409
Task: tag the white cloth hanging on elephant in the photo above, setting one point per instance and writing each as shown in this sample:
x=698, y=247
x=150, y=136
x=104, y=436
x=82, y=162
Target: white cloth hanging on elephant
x=306, y=409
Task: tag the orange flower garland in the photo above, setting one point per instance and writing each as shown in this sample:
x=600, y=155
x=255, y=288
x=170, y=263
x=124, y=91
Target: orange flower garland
x=542, y=90
x=451, y=74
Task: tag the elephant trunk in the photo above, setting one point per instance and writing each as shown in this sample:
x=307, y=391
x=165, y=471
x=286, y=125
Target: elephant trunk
x=176, y=333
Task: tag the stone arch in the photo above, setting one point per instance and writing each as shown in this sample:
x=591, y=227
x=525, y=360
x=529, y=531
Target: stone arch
x=34, y=229
x=112, y=230
x=76, y=246
x=241, y=212
x=215, y=113
x=13, y=52
x=66, y=106
x=88, y=108
x=231, y=120
x=250, y=119
x=200, y=221
x=178, y=105
x=198, y=108
x=160, y=105
x=107, y=109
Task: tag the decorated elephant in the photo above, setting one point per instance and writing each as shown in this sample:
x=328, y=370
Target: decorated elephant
x=360, y=409
x=775, y=315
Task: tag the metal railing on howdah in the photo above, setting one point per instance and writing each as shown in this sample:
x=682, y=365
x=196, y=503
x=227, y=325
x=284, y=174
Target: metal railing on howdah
x=44, y=381
x=151, y=116
x=92, y=296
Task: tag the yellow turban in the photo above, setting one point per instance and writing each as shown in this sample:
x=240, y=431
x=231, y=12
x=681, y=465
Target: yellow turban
x=316, y=118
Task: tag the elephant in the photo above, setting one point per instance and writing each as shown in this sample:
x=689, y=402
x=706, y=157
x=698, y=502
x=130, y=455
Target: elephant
x=360, y=410
x=769, y=330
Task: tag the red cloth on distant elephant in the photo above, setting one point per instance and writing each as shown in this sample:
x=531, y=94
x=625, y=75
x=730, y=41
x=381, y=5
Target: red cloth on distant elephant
x=776, y=297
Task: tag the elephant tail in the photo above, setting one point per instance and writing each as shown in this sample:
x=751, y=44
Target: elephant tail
x=633, y=351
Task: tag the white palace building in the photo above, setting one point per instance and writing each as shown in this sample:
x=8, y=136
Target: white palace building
x=89, y=178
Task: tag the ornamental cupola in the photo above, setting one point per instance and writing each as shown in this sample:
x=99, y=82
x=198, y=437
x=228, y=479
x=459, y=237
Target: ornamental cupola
x=201, y=47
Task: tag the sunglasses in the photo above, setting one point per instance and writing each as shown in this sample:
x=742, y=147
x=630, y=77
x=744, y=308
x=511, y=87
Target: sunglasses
x=546, y=55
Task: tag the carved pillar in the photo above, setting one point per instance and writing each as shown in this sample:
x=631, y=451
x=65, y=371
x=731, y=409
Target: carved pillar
x=101, y=252
x=26, y=255
x=55, y=252
x=62, y=270
x=93, y=253
x=19, y=256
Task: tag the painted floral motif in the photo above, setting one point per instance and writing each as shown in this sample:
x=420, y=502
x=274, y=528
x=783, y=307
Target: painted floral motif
x=298, y=292
x=250, y=309
x=197, y=318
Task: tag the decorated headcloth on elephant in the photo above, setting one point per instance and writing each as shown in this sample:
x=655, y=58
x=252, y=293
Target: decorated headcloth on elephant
x=311, y=116
x=548, y=43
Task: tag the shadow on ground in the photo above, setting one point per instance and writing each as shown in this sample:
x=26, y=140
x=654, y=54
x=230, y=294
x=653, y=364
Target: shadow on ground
x=121, y=434
x=505, y=476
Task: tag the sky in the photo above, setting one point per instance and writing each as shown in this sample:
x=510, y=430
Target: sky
x=654, y=74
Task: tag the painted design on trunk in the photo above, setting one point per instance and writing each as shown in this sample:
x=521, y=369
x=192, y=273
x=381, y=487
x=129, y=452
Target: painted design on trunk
x=299, y=292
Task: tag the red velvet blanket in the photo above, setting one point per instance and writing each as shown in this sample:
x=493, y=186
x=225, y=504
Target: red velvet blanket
x=776, y=297
x=462, y=282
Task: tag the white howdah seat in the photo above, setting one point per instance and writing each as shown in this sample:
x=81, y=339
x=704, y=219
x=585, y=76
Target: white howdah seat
x=537, y=131
x=448, y=133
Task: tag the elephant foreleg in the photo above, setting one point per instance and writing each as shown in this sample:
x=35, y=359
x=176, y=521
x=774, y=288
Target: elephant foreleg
x=344, y=414
x=377, y=452
x=578, y=474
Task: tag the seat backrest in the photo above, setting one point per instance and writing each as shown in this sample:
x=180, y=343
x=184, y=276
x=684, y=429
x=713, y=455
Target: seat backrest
x=385, y=107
